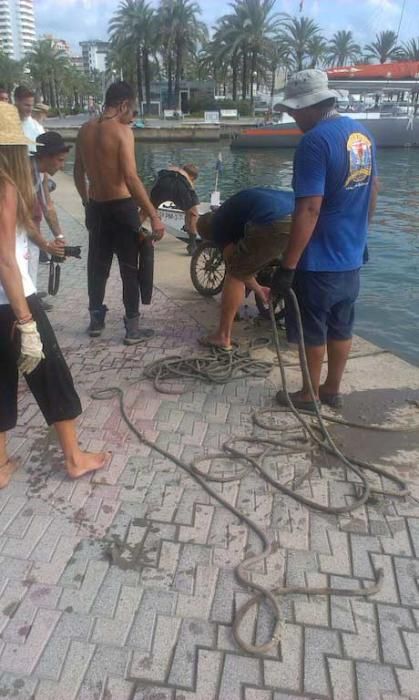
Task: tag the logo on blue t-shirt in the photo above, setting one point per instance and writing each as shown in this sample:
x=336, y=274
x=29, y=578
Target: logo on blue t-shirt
x=360, y=161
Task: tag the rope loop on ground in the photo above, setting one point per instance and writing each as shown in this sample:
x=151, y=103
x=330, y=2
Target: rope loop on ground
x=304, y=434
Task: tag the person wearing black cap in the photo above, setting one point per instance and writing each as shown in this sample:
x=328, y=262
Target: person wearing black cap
x=50, y=157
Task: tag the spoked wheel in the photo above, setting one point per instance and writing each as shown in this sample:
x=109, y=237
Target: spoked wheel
x=208, y=270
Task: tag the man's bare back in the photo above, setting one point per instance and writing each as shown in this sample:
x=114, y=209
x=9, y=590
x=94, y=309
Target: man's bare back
x=105, y=168
x=102, y=142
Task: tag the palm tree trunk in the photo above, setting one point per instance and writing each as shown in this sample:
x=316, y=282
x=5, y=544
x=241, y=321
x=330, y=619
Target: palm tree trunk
x=146, y=64
x=57, y=94
x=51, y=93
x=170, y=79
x=274, y=69
x=234, y=86
x=178, y=73
x=139, y=69
x=43, y=91
x=244, y=75
x=252, y=77
x=300, y=60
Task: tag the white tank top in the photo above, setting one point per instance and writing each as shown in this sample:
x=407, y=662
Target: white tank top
x=22, y=257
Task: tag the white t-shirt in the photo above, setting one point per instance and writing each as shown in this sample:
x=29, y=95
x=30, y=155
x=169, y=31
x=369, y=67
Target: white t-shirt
x=32, y=129
x=22, y=257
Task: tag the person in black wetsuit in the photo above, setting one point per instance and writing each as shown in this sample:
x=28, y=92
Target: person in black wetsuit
x=177, y=185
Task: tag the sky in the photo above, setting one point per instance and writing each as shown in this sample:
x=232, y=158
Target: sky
x=78, y=20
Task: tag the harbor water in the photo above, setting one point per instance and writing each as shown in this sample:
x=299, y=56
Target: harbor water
x=388, y=309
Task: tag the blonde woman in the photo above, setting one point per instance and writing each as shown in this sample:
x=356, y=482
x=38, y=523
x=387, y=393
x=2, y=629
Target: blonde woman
x=27, y=341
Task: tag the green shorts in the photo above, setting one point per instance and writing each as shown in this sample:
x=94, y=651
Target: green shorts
x=261, y=244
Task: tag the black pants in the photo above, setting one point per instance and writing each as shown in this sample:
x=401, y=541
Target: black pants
x=51, y=382
x=113, y=229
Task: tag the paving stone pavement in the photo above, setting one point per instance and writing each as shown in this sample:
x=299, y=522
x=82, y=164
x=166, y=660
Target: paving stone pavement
x=154, y=622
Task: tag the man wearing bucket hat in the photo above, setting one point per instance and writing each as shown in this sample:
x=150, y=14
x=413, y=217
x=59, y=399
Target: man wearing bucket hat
x=335, y=187
x=50, y=157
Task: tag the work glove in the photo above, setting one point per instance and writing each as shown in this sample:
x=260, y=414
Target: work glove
x=281, y=282
x=30, y=347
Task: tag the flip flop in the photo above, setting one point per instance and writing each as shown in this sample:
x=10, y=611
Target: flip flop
x=14, y=467
x=298, y=403
x=207, y=343
x=333, y=400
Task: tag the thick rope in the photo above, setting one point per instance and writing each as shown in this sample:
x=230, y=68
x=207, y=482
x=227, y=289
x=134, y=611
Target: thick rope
x=302, y=436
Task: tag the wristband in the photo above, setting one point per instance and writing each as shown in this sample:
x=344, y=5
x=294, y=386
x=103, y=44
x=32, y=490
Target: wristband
x=25, y=319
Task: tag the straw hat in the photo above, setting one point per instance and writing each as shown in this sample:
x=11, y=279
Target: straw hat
x=11, y=133
x=41, y=107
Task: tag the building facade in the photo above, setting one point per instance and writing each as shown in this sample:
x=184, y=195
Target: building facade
x=94, y=54
x=17, y=27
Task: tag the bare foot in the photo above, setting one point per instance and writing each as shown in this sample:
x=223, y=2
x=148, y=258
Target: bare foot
x=213, y=341
x=6, y=471
x=86, y=462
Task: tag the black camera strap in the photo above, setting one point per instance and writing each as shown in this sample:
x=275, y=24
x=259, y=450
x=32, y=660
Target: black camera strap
x=54, y=278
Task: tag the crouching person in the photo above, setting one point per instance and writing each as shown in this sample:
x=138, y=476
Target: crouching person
x=252, y=229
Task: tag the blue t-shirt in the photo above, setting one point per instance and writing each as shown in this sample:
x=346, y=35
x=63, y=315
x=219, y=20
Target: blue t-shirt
x=336, y=160
x=258, y=205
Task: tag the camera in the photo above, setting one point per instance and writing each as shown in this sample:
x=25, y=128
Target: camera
x=69, y=251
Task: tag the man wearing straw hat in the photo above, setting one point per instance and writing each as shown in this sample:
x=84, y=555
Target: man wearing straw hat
x=40, y=113
x=335, y=187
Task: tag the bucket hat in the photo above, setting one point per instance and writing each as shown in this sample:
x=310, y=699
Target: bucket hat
x=307, y=88
x=11, y=133
x=51, y=143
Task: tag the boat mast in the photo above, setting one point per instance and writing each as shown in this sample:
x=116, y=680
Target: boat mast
x=401, y=18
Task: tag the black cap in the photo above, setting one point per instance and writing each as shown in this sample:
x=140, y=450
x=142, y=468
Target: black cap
x=51, y=143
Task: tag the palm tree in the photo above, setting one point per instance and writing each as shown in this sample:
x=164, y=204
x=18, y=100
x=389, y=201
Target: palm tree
x=260, y=28
x=230, y=53
x=298, y=34
x=165, y=26
x=410, y=49
x=384, y=47
x=317, y=51
x=188, y=35
x=11, y=72
x=343, y=50
x=279, y=56
x=133, y=29
x=47, y=64
x=247, y=36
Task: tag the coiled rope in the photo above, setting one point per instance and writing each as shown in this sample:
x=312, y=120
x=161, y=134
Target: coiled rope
x=306, y=434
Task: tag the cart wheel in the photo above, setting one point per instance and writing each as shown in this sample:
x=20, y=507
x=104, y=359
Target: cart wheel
x=208, y=269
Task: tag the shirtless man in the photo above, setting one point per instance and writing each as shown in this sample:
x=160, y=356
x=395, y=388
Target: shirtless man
x=105, y=174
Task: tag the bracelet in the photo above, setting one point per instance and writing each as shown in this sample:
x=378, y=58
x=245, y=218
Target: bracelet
x=25, y=319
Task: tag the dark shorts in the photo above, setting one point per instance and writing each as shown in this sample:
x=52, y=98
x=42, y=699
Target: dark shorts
x=261, y=244
x=50, y=383
x=327, y=304
x=173, y=187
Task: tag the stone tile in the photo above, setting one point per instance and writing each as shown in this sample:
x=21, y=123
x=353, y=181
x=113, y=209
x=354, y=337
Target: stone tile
x=374, y=680
x=22, y=658
x=238, y=671
x=318, y=644
x=154, y=666
x=76, y=664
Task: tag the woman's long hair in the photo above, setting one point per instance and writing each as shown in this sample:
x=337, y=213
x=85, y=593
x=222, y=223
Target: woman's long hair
x=16, y=170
